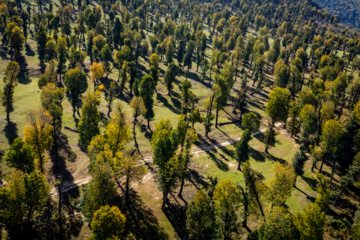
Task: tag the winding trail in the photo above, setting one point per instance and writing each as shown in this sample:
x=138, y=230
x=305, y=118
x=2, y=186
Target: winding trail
x=67, y=186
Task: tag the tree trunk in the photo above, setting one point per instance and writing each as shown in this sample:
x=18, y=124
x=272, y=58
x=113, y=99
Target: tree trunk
x=127, y=190
x=217, y=115
x=322, y=164
x=134, y=132
x=338, y=197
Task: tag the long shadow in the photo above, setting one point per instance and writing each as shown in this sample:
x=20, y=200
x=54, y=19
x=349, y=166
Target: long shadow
x=74, y=221
x=310, y=181
x=166, y=104
x=177, y=217
x=140, y=219
x=59, y=167
x=258, y=156
x=11, y=131
x=194, y=176
x=256, y=105
x=219, y=163
x=275, y=159
x=29, y=51
x=23, y=76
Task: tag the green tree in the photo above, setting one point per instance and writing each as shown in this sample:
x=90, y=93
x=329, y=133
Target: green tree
x=17, y=40
x=101, y=189
x=298, y=162
x=10, y=81
x=90, y=117
x=227, y=203
x=278, y=105
x=243, y=148
x=163, y=146
x=139, y=109
x=147, y=92
x=310, y=222
x=200, y=218
x=170, y=75
x=111, y=94
x=280, y=187
x=251, y=121
x=41, y=39
x=76, y=83
x=20, y=156
x=108, y=223
x=126, y=164
x=61, y=49
x=282, y=73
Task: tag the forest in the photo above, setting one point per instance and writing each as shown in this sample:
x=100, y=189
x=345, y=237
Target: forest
x=179, y=119
x=348, y=11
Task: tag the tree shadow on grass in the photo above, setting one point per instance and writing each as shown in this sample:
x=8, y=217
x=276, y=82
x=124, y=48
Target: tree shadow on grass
x=176, y=214
x=275, y=159
x=11, y=131
x=311, y=182
x=29, y=51
x=162, y=99
x=74, y=221
x=256, y=155
x=194, y=177
x=140, y=220
x=219, y=163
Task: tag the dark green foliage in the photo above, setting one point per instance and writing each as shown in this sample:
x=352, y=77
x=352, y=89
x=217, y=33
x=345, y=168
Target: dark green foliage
x=243, y=148
x=20, y=156
x=146, y=91
x=170, y=76
x=251, y=121
x=76, y=83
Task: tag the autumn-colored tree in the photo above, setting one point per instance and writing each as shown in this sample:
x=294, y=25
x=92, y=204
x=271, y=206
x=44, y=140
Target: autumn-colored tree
x=10, y=81
x=37, y=134
x=139, y=109
x=97, y=73
x=108, y=223
x=90, y=117
x=117, y=131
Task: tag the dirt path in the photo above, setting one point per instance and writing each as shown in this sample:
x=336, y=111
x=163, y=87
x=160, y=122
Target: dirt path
x=195, y=151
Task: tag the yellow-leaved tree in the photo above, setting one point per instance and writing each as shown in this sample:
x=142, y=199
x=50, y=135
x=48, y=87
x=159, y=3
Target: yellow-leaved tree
x=38, y=134
x=97, y=72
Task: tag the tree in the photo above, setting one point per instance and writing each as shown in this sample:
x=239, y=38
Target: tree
x=139, y=109
x=323, y=190
x=332, y=133
x=298, y=162
x=61, y=49
x=310, y=222
x=117, y=131
x=227, y=202
x=243, y=148
x=126, y=164
x=163, y=146
x=282, y=73
x=10, y=81
x=278, y=105
x=270, y=138
x=281, y=185
x=154, y=60
x=111, y=94
x=97, y=73
x=41, y=39
x=76, y=83
x=170, y=50
x=124, y=76
x=101, y=189
x=90, y=117
x=17, y=40
x=108, y=223
x=200, y=218
x=147, y=92
x=279, y=224
x=170, y=75
x=20, y=156
x=251, y=122
x=37, y=134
